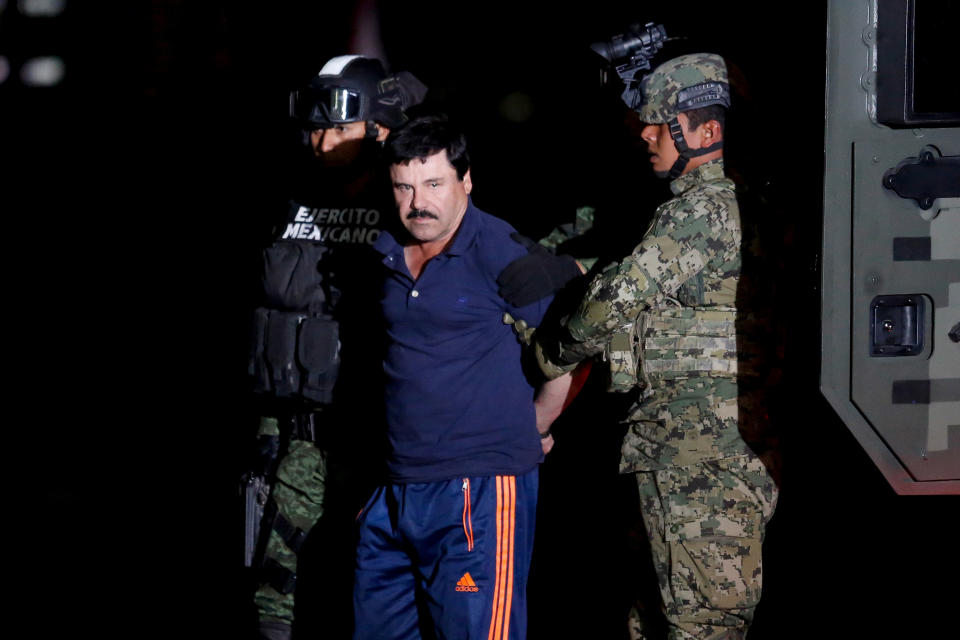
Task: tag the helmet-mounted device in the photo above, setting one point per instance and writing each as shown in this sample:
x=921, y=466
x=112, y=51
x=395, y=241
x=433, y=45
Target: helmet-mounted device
x=680, y=84
x=630, y=53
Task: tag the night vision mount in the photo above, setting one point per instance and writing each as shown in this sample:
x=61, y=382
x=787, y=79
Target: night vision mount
x=630, y=53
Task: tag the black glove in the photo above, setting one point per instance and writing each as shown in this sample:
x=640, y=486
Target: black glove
x=535, y=275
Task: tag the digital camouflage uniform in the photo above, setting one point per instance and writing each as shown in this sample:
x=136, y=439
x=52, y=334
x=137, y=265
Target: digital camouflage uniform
x=298, y=493
x=665, y=319
x=583, y=222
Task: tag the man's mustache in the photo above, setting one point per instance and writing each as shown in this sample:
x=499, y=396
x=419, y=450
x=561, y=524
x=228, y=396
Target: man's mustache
x=421, y=213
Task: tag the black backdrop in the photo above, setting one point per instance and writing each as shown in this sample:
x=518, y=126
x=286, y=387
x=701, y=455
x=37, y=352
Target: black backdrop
x=135, y=200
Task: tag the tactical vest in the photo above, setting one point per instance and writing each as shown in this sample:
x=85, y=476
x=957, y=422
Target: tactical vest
x=675, y=339
x=295, y=347
x=671, y=342
x=296, y=343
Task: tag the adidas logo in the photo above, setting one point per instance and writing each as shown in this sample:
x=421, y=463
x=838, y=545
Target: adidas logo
x=466, y=583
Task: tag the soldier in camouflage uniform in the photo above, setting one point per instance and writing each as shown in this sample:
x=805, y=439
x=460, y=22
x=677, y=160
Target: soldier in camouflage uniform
x=664, y=319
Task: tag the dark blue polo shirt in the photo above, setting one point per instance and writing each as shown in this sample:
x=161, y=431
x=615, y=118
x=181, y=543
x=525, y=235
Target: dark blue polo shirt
x=457, y=401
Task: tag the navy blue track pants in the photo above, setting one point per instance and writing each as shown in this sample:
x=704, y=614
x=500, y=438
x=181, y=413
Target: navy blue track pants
x=446, y=559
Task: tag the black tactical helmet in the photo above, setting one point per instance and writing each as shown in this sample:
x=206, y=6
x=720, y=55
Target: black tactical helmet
x=355, y=89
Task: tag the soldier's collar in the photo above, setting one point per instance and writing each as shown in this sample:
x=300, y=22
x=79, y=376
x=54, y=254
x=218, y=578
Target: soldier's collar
x=707, y=172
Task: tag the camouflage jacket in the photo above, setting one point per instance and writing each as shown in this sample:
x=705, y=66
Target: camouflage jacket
x=671, y=306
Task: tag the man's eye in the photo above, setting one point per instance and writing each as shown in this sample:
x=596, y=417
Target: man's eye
x=434, y=184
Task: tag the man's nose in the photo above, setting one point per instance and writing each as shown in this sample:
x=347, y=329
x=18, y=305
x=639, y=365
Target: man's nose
x=649, y=133
x=316, y=139
x=416, y=199
x=328, y=141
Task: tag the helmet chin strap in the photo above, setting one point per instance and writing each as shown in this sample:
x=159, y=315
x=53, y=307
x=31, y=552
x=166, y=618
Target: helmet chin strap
x=686, y=153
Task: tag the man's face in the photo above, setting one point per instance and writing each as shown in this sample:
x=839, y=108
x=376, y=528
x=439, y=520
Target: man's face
x=661, y=147
x=663, y=150
x=339, y=145
x=430, y=198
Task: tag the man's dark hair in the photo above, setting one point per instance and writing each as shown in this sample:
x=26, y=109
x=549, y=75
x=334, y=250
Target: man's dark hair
x=697, y=117
x=425, y=136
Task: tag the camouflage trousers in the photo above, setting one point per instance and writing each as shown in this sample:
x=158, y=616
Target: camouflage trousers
x=705, y=523
x=298, y=491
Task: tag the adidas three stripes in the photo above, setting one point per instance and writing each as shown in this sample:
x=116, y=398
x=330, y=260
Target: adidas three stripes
x=448, y=559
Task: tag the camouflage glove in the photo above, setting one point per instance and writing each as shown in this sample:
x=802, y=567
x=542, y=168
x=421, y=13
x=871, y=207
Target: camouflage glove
x=535, y=275
x=549, y=369
x=520, y=327
x=528, y=336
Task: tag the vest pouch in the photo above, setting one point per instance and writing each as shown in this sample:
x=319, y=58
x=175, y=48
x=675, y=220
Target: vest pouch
x=684, y=342
x=292, y=277
x=257, y=366
x=280, y=352
x=622, y=357
x=318, y=353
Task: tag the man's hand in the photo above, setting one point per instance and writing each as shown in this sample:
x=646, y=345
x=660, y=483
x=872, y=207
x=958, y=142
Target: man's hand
x=546, y=443
x=535, y=275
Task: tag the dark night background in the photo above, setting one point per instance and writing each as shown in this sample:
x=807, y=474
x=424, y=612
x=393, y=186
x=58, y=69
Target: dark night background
x=135, y=197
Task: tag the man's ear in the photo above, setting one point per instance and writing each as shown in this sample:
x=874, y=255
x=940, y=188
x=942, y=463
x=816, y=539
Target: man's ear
x=467, y=182
x=382, y=132
x=711, y=133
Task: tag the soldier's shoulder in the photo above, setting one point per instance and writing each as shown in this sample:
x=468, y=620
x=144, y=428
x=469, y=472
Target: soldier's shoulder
x=698, y=198
x=712, y=195
x=721, y=188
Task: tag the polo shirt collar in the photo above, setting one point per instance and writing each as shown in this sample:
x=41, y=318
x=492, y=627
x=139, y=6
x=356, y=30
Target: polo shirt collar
x=466, y=235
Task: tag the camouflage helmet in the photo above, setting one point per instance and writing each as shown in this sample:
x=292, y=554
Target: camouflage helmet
x=684, y=83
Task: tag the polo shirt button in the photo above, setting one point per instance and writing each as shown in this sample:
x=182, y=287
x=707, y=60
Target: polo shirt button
x=414, y=293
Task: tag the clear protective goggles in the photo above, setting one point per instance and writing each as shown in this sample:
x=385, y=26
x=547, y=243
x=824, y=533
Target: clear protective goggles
x=328, y=105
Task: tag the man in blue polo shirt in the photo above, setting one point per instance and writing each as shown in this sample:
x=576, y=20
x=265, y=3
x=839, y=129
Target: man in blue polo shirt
x=445, y=547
